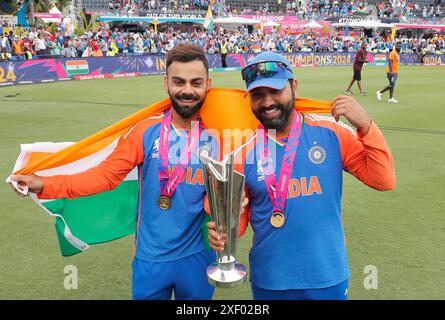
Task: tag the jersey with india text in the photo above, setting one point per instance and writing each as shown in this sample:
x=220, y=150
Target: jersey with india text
x=309, y=250
x=161, y=235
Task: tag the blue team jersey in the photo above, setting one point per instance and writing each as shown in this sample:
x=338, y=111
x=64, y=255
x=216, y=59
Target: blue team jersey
x=167, y=235
x=309, y=250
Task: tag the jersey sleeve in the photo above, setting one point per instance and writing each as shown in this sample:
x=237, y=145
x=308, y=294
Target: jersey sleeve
x=368, y=157
x=107, y=175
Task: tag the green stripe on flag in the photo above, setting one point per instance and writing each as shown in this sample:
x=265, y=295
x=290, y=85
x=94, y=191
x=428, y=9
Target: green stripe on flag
x=78, y=71
x=98, y=218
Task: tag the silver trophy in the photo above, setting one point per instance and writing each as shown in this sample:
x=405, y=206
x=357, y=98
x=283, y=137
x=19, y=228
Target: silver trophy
x=224, y=188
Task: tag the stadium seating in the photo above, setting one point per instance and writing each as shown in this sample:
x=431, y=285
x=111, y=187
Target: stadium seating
x=96, y=5
x=144, y=7
x=319, y=9
x=255, y=5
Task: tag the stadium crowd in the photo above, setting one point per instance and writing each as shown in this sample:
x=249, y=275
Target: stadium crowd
x=111, y=42
x=309, y=9
x=408, y=10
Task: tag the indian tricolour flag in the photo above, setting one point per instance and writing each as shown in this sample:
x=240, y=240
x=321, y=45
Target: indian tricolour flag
x=93, y=219
x=110, y=215
x=74, y=67
x=208, y=21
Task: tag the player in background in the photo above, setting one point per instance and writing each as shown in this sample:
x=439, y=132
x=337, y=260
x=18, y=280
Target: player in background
x=391, y=73
x=360, y=59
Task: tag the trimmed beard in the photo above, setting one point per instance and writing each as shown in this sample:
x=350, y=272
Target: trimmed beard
x=279, y=122
x=185, y=112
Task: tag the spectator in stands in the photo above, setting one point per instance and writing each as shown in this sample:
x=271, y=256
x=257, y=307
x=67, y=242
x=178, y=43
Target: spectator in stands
x=11, y=37
x=28, y=53
x=17, y=49
x=224, y=50
x=67, y=51
x=40, y=45
x=130, y=45
x=60, y=38
x=56, y=50
x=102, y=43
x=95, y=47
x=26, y=41
x=120, y=42
x=139, y=44
x=5, y=55
x=111, y=5
x=4, y=43
x=88, y=52
x=81, y=45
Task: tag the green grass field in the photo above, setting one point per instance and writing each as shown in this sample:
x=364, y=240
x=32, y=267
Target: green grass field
x=401, y=232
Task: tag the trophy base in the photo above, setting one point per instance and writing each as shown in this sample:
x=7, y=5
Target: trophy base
x=220, y=278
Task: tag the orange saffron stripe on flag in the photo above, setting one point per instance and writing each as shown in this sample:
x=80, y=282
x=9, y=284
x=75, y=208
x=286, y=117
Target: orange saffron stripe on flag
x=37, y=156
x=69, y=154
x=82, y=153
x=229, y=109
x=76, y=62
x=222, y=109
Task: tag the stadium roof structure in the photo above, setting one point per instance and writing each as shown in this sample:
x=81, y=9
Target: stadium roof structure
x=368, y=24
x=53, y=15
x=313, y=25
x=236, y=21
x=222, y=21
x=419, y=26
x=270, y=23
x=149, y=19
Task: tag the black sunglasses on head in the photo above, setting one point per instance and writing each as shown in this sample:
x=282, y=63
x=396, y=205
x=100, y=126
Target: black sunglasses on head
x=264, y=69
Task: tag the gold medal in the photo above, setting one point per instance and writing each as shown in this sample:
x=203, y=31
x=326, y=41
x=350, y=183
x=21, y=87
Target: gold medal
x=164, y=203
x=277, y=219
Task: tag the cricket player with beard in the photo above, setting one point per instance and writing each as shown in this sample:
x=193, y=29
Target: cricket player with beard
x=170, y=252
x=299, y=247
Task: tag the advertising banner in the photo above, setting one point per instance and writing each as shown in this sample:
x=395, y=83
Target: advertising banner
x=291, y=23
x=61, y=69
x=434, y=60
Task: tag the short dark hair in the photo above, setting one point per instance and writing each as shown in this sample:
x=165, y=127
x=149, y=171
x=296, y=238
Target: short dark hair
x=185, y=53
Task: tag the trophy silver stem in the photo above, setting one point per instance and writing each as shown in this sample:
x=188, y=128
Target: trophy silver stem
x=229, y=196
x=224, y=188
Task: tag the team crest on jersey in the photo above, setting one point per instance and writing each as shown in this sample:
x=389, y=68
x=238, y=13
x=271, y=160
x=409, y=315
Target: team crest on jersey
x=317, y=155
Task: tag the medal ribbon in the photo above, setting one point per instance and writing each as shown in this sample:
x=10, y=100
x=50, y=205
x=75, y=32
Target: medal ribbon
x=278, y=194
x=167, y=183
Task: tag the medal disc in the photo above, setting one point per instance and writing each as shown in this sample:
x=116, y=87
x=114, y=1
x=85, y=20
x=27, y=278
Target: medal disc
x=277, y=219
x=164, y=203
